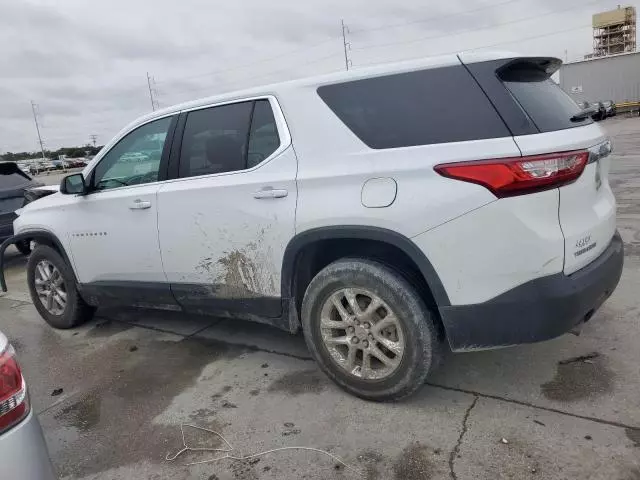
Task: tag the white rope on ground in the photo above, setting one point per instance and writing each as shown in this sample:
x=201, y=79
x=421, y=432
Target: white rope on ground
x=229, y=448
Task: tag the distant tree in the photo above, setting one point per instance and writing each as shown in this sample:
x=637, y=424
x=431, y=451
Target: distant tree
x=76, y=152
x=71, y=152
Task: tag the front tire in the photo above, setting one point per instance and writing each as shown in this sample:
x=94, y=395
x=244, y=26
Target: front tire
x=53, y=290
x=369, y=330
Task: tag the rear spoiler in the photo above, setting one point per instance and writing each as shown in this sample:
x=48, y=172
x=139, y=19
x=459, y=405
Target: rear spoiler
x=534, y=69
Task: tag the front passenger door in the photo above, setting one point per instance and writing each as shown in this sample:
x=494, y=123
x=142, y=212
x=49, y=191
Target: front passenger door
x=113, y=230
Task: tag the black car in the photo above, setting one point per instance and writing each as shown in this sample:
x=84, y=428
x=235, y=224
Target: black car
x=14, y=184
x=610, y=108
x=599, y=111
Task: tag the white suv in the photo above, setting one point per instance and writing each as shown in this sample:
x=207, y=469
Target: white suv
x=386, y=211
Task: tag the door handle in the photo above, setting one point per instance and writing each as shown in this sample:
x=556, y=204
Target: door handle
x=269, y=192
x=139, y=204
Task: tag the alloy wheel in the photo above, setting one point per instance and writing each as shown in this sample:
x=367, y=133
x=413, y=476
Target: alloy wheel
x=50, y=287
x=362, y=334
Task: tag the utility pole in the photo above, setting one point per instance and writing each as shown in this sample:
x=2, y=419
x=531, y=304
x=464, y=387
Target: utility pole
x=35, y=119
x=153, y=92
x=153, y=102
x=346, y=45
x=93, y=138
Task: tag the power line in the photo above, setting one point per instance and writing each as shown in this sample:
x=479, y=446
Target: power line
x=268, y=74
x=346, y=45
x=431, y=19
x=490, y=45
x=250, y=64
x=500, y=24
x=93, y=138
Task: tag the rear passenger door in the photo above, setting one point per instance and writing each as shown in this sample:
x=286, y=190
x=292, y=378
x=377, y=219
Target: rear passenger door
x=226, y=219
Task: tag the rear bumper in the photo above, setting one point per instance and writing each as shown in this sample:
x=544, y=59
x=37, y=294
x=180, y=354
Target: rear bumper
x=23, y=452
x=538, y=310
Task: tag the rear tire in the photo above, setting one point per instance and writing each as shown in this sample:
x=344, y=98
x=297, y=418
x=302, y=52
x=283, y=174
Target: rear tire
x=364, y=306
x=53, y=289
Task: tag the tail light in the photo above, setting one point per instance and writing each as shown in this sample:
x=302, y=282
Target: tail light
x=506, y=177
x=14, y=403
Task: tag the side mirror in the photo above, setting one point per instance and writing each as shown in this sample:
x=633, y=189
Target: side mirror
x=73, y=185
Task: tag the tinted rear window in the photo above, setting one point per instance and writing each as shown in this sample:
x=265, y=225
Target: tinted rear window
x=417, y=108
x=548, y=106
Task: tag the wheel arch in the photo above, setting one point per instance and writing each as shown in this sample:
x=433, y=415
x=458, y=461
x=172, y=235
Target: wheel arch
x=295, y=278
x=44, y=237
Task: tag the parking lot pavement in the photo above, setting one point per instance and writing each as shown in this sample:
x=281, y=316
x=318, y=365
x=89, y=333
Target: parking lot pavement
x=568, y=408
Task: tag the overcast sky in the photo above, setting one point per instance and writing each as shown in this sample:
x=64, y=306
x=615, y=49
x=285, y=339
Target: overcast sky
x=85, y=62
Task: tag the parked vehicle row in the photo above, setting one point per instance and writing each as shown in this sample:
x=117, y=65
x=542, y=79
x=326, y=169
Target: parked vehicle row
x=601, y=110
x=35, y=167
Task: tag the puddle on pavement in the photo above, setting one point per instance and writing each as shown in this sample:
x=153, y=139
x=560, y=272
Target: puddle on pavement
x=577, y=380
x=244, y=470
x=633, y=434
x=414, y=463
x=632, y=473
x=83, y=415
x=370, y=462
x=114, y=420
x=297, y=383
x=107, y=328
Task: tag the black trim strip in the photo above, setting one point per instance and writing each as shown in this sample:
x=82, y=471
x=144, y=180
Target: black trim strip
x=30, y=235
x=193, y=296
x=202, y=299
x=537, y=310
x=173, y=169
x=360, y=232
x=163, y=171
x=129, y=293
x=246, y=150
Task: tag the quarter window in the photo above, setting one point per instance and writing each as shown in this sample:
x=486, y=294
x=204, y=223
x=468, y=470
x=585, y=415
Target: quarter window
x=135, y=159
x=430, y=106
x=228, y=138
x=263, y=139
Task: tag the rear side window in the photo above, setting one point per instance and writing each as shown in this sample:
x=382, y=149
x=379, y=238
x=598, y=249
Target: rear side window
x=548, y=106
x=228, y=138
x=417, y=108
x=215, y=140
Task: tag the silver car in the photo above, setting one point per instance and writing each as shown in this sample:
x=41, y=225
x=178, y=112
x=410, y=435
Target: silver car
x=23, y=451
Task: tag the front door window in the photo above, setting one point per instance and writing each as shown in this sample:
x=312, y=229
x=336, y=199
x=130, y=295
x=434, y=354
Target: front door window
x=135, y=159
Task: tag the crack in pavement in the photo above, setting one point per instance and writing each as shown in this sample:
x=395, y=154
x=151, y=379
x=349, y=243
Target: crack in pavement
x=456, y=449
x=538, y=407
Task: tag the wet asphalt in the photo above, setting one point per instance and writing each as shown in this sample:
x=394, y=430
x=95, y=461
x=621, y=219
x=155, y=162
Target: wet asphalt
x=112, y=394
